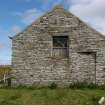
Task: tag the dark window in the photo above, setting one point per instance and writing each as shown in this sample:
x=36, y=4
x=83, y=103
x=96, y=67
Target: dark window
x=60, y=46
x=60, y=41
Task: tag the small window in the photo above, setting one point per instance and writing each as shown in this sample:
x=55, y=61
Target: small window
x=60, y=46
x=60, y=41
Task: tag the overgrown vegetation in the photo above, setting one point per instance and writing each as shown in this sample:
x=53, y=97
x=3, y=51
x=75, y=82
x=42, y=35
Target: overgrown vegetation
x=46, y=96
x=75, y=94
x=5, y=69
x=53, y=85
x=82, y=85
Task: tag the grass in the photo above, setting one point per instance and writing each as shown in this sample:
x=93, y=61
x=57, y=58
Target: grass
x=46, y=96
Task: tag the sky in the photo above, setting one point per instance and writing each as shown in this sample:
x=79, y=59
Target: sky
x=15, y=15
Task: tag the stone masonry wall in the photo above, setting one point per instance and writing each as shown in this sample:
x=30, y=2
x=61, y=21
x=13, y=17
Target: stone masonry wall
x=32, y=60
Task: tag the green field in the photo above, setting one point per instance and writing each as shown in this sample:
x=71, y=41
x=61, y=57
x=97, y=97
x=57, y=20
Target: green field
x=47, y=96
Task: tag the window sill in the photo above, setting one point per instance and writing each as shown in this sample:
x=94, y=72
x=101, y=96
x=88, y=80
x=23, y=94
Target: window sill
x=59, y=58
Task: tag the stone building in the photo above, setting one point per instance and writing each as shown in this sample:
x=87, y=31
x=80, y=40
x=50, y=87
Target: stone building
x=58, y=47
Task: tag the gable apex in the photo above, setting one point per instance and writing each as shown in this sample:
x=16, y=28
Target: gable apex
x=58, y=7
x=61, y=11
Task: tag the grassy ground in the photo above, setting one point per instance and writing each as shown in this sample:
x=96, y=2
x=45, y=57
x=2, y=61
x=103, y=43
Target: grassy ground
x=47, y=96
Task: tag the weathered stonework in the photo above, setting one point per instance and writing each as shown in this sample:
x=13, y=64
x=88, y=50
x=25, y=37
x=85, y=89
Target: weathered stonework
x=32, y=60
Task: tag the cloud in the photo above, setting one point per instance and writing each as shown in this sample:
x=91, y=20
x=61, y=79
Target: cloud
x=15, y=29
x=2, y=45
x=91, y=11
x=80, y=1
x=29, y=15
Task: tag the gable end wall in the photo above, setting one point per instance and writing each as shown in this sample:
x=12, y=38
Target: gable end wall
x=32, y=60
